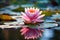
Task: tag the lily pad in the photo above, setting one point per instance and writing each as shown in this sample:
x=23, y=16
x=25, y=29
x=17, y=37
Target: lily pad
x=20, y=9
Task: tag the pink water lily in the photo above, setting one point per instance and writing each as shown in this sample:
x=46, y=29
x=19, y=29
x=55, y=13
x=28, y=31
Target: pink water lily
x=31, y=33
x=32, y=15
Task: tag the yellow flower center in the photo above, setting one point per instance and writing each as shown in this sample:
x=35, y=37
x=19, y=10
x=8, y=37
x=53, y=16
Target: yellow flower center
x=32, y=11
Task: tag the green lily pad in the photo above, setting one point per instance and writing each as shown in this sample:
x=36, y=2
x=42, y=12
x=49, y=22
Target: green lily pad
x=31, y=25
x=48, y=13
x=20, y=9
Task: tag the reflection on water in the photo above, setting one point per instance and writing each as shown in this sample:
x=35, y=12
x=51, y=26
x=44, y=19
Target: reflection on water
x=48, y=34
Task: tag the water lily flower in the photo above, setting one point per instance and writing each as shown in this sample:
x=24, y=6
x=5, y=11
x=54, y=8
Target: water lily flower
x=31, y=33
x=32, y=15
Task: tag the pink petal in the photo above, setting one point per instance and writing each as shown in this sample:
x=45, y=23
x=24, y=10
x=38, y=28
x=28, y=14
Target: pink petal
x=24, y=31
x=37, y=14
x=40, y=17
x=25, y=17
x=37, y=9
x=29, y=14
x=39, y=20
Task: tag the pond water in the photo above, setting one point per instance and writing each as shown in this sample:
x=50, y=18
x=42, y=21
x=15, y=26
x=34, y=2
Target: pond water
x=50, y=28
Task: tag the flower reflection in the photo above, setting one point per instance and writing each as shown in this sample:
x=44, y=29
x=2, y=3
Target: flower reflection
x=31, y=33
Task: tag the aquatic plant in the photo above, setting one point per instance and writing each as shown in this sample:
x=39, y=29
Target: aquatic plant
x=32, y=18
x=32, y=15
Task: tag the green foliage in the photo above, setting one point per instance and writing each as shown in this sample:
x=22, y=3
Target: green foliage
x=31, y=25
x=20, y=9
x=48, y=13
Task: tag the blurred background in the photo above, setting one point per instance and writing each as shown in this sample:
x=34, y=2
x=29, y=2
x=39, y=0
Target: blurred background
x=10, y=8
